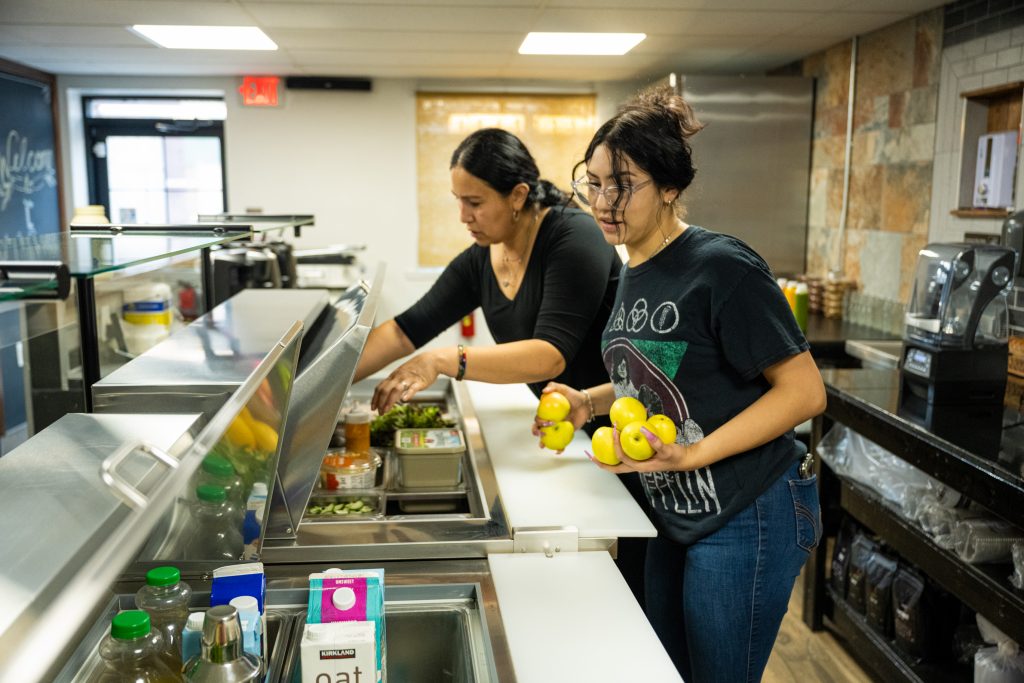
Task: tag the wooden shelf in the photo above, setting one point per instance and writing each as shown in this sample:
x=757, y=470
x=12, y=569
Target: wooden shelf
x=995, y=91
x=981, y=213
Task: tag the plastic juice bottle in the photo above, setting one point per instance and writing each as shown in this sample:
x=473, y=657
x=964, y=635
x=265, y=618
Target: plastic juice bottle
x=217, y=534
x=790, y=292
x=131, y=653
x=192, y=636
x=801, y=301
x=219, y=471
x=165, y=599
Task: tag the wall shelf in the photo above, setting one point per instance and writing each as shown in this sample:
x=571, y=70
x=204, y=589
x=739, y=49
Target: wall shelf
x=981, y=213
x=995, y=109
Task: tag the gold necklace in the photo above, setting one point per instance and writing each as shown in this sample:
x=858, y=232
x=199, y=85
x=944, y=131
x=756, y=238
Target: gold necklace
x=507, y=262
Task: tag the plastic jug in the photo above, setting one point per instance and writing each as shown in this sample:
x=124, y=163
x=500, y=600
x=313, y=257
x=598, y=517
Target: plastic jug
x=217, y=533
x=219, y=471
x=165, y=598
x=132, y=652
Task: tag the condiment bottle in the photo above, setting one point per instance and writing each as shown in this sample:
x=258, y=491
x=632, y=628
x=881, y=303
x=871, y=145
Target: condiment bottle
x=357, y=431
x=801, y=303
x=790, y=293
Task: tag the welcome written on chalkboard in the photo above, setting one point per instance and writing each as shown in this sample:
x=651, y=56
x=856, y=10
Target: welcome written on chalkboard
x=28, y=170
x=23, y=169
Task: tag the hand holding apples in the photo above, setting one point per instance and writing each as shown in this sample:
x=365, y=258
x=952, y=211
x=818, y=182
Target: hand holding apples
x=637, y=439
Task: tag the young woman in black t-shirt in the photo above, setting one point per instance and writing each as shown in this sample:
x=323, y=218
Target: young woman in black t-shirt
x=701, y=333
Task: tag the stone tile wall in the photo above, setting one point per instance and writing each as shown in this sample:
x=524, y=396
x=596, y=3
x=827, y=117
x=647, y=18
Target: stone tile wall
x=895, y=110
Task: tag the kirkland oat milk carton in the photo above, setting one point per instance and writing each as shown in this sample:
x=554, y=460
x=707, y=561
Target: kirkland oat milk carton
x=339, y=652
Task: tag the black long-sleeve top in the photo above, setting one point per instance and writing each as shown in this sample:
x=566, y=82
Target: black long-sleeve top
x=565, y=297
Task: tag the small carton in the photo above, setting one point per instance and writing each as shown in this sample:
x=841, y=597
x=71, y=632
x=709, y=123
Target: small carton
x=339, y=652
x=338, y=596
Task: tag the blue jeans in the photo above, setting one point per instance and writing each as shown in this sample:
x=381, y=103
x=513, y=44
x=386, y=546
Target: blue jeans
x=717, y=604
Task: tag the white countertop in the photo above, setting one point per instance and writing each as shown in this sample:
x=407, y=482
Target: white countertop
x=539, y=488
x=571, y=617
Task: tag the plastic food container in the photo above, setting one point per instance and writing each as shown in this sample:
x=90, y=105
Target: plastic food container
x=429, y=458
x=347, y=470
x=346, y=506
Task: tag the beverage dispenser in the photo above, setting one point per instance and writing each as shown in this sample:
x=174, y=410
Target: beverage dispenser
x=957, y=325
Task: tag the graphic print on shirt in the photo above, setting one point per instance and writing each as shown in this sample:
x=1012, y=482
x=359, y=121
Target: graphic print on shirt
x=619, y=321
x=642, y=369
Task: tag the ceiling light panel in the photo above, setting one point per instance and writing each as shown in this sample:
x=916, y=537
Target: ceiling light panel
x=537, y=43
x=205, y=37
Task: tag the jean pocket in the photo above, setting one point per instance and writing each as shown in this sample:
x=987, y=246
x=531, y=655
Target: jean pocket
x=807, y=512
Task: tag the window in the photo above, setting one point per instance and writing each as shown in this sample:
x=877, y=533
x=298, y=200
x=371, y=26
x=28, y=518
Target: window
x=156, y=160
x=555, y=128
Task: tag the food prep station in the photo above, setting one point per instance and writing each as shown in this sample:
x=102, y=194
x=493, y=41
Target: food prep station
x=476, y=590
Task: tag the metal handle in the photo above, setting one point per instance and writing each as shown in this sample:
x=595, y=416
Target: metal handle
x=121, y=488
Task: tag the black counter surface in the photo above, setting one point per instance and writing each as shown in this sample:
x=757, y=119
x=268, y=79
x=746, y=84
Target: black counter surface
x=977, y=450
x=827, y=337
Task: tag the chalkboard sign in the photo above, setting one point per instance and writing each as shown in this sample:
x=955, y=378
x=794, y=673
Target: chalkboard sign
x=29, y=191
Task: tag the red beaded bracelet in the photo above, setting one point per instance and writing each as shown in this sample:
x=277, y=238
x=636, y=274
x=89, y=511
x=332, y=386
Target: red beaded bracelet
x=462, y=364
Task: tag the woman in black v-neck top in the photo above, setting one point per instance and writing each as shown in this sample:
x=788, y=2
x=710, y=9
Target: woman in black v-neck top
x=538, y=270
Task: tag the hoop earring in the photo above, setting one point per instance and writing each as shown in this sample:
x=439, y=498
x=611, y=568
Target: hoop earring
x=515, y=215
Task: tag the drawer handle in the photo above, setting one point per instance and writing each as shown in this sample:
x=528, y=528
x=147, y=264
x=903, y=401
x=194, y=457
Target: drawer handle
x=121, y=488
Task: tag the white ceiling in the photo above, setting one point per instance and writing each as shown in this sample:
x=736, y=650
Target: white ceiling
x=447, y=39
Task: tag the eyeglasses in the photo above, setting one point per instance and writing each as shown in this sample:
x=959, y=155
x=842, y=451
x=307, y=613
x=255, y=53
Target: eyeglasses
x=588, y=192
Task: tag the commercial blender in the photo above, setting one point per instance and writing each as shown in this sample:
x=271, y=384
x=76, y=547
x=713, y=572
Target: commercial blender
x=955, y=340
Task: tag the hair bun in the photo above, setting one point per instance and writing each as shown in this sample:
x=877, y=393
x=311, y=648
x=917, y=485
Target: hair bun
x=665, y=99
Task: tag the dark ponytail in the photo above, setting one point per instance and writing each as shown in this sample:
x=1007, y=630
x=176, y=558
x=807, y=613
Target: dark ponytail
x=501, y=160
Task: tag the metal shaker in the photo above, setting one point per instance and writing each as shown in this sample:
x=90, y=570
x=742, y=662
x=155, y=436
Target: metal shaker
x=222, y=659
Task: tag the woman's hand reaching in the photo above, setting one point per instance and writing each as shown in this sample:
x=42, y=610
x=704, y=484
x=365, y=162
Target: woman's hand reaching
x=409, y=378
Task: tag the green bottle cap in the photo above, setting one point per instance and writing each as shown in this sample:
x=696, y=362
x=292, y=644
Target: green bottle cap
x=218, y=466
x=163, y=576
x=211, y=493
x=129, y=625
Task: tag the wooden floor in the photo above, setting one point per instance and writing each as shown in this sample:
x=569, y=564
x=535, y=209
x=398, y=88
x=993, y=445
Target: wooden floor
x=803, y=656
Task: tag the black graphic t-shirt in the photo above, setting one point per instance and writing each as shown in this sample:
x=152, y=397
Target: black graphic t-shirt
x=565, y=296
x=691, y=332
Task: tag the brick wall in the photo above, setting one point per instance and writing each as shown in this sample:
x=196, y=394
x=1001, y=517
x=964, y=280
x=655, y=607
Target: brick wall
x=966, y=20
x=991, y=60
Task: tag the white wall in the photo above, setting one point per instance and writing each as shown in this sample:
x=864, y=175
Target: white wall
x=349, y=158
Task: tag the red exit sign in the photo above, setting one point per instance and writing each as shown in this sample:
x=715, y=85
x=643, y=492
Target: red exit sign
x=259, y=91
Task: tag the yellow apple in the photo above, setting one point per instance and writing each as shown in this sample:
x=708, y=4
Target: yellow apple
x=554, y=407
x=634, y=443
x=557, y=436
x=603, y=445
x=662, y=427
x=625, y=410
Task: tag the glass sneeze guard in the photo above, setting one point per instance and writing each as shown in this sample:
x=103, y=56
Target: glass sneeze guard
x=86, y=253
x=263, y=222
